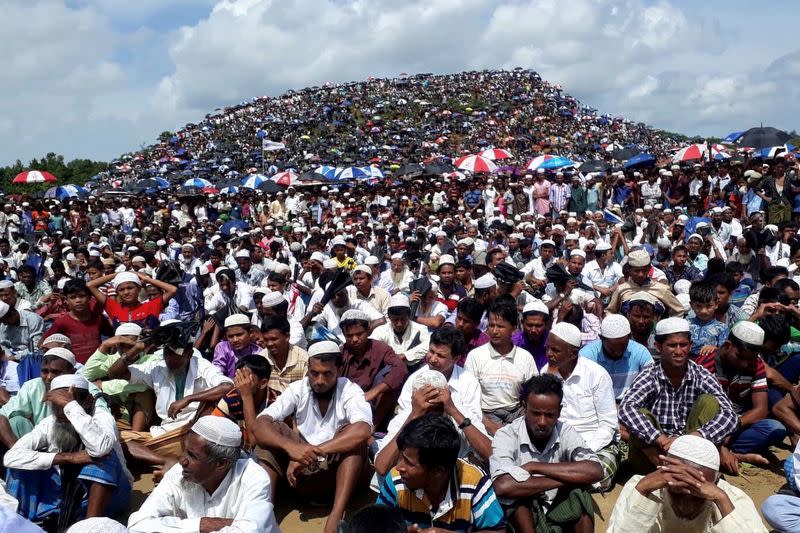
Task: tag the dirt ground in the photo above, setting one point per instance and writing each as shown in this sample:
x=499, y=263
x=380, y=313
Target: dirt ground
x=298, y=517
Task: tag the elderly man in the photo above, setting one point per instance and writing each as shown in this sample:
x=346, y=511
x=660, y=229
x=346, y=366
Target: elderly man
x=541, y=466
x=212, y=487
x=685, y=494
x=672, y=398
x=71, y=463
x=363, y=289
x=326, y=452
x=407, y=338
x=245, y=272
x=327, y=317
x=398, y=277
x=589, y=405
x=639, y=280
x=20, y=331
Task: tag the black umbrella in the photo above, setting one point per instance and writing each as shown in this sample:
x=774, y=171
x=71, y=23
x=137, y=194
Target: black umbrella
x=422, y=285
x=228, y=182
x=341, y=280
x=409, y=170
x=625, y=153
x=762, y=137
x=270, y=186
x=312, y=178
x=438, y=168
x=594, y=165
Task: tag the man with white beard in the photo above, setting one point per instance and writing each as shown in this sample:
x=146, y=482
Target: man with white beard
x=71, y=464
x=212, y=487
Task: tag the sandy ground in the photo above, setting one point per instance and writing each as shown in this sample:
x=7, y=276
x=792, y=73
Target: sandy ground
x=296, y=517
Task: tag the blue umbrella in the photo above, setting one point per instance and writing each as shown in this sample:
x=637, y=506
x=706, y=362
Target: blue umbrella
x=557, y=162
x=640, y=160
x=229, y=190
x=235, y=223
x=774, y=151
x=352, y=173
x=732, y=137
x=327, y=171
x=66, y=191
x=254, y=181
x=200, y=183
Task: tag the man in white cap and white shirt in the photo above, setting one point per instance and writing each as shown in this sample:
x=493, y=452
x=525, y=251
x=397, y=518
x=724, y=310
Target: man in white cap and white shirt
x=363, y=289
x=212, y=488
x=77, y=434
x=603, y=273
x=398, y=277
x=408, y=339
x=685, y=494
x=588, y=404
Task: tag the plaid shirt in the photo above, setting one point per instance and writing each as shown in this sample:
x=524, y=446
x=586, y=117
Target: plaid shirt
x=652, y=390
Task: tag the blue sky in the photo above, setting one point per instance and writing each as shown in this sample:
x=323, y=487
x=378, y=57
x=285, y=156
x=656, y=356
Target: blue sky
x=97, y=78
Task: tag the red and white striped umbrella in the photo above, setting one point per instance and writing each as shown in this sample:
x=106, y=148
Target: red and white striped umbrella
x=691, y=153
x=33, y=176
x=475, y=164
x=496, y=153
x=285, y=178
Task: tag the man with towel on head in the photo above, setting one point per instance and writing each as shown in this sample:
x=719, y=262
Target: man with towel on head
x=685, y=494
x=638, y=279
x=211, y=488
x=71, y=463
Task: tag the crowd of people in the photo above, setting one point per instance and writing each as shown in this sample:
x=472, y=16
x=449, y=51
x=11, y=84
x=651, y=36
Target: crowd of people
x=485, y=352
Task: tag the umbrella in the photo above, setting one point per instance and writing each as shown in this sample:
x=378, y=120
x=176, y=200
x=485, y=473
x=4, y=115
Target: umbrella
x=230, y=190
x=732, y=137
x=270, y=186
x=549, y=161
x=496, y=153
x=351, y=173
x=327, y=171
x=340, y=281
x=240, y=225
x=594, y=165
x=374, y=172
x=438, y=168
x=153, y=183
x=284, y=178
x=640, y=160
x=692, y=152
x=66, y=191
x=33, y=176
x=774, y=151
x=624, y=154
x=719, y=153
x=410, y=169
x=199, y=183
x=307, y=179
x=475, y=164
x=210, y=190
x=254, y=181
x=762, y=137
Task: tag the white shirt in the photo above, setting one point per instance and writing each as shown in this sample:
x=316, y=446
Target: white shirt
x=201, y=376
x=500, y=375
x=385, y=280
x=331, y=316
x=348, y=406
x=537, y=268
x=413, y=344
x=214, y=299
x=589, y=404
x=176, y=505
x=602, y=277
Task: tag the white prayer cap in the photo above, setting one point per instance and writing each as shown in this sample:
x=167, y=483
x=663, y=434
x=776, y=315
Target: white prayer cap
x=97, y=524
x=219, y=430
x=696, y=449
x=578, y=252
x=372, y=260
x=318, y=257
x=362, y=268
x=615, y=326
x=355, y=314
x=138, y=259
x=243, y=253
x=128, y=328
x=643, y=296
x=716, y=210
x=486, y=281
x=664, y=242
x=187, y=246
x=567, y=333
x=126, y=277
x=638, y=258
x=202, y=270
x=547, y=242
x=330, y=263
x=57, y=338
x=323, y=347
x=572, y=237
x=535, y=306
x=428, y=376
x=3, y=309
x=748, y=332
x=237, y=319
x=397, y=255
x=671, y=325
x=400, y=300
x=682, y=286
x=694, y=236
x=62, y=353
x=272, y=298
x=685, y=300
x=602, y=246
x=447, y=259
x=6, y=284
x=65, y=381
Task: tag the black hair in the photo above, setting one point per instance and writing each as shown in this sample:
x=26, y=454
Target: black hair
x=734, y=267
x=344, y=324
x=661, y=338
x=541, y=384
x=524, y=243
x=277, y=277
x=377, y=518
x=786, y=283
x=506, y=300
x=75, y=286
x=448, y=336
x=435, y=438
x=95, y=264
x=679, y=248
x=505, y=312
x=28, y=269
x=776, y=329
x=773, y=272
x=47, y=359
x=328, y=357
x=471, y=309
x=463, y=264
x=703, y=292
x=768, y=295
x=715, y=266
x=279, y=322
x=257, y=364
x=398, y=310
x=725, y=279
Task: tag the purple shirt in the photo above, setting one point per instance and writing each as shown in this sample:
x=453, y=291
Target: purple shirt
x=539, y=352
x=477, y=340
x=225, y=357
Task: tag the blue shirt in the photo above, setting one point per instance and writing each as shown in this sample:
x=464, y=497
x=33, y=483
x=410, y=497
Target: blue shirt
x=623, y=370
x=712, y=333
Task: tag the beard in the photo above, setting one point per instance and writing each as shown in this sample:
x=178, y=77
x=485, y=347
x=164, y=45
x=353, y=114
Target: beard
x=65, y=438
x=744, y=259
x=687, y=508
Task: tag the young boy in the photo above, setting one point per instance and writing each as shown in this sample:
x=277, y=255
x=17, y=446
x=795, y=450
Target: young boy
x=238, y=343
x=744, y=286
x=726, y=313
x=707, y=333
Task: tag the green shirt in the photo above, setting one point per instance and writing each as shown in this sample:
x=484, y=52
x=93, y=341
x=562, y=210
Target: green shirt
x=97, y=368
x=180, y=385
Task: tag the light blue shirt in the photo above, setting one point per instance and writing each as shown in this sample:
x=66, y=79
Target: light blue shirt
x=623, y=370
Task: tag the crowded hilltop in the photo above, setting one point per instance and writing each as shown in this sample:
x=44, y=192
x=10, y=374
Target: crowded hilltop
x=468, y=297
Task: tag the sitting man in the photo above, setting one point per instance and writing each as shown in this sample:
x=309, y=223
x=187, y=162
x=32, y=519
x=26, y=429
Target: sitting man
x=439, y=386
x=782, y=510
x=20, y=331
x=212, y=488
x=615, y=351
x=673, y=398
x=501, y=367
x=684, y=494
x=408, y=339
x=542, y=466
x=326, y=318
x=181, y=380
x=741, y=374
x=532, y=337
x=289, y=361
x=433, y=488
x=372, y=365
x=638, y=279
x=327, y=451
x=589, y=405
x=71, y=464
x=469, y=316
